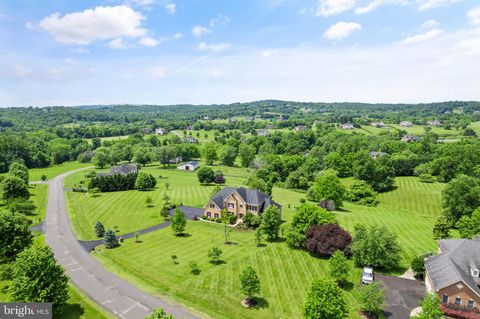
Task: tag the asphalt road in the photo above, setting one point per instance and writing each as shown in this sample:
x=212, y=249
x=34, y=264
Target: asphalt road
x=110, y=291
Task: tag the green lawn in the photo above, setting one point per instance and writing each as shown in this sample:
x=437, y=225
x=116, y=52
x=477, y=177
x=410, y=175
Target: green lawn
x=55, y=170
x=418, y=130
x=201, y=137
x=409, y=211
x=127, y=210
x=285, y=273
x=39, y=198
x=475, y=126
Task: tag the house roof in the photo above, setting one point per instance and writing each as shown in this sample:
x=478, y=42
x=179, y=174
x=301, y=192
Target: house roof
x=250, y=196
x=193, y=163
x=123, y=169
x=455, y=263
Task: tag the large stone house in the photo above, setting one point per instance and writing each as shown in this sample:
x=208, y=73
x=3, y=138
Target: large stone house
x=454, y=273
x=238, y=201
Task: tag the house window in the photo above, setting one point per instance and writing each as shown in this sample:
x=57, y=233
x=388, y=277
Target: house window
x=231, y=205
x=209, y=215
x=470, y=304
x=475, y=273
x=241, y=206
x=458, y=301
x=253, y=208
x=215, y=215
x=445, y=298
x=212, y=205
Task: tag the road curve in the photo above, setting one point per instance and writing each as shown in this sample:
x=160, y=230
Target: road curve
x=110, y=291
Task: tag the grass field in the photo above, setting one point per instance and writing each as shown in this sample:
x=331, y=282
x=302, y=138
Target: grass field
x=418, y=130
x=475, y=126
x=210, y=135
x=285, y=273
x=127, y=209
x=39, y=197
x=409, y=211
x=55, y=170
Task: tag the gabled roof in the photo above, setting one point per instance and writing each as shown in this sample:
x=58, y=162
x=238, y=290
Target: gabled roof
x=123, y=169
x=250, y=196
x=455, y=263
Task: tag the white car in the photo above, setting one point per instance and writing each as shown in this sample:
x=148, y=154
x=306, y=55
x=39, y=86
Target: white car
x=367, y=275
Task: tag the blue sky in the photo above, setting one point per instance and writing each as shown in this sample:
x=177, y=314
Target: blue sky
x=222, y=51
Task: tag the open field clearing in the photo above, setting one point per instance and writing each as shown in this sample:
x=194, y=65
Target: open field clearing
x=55, y=170
x=285, y=273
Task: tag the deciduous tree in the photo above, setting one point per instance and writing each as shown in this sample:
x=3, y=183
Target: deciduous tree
x=15, y=235
x=178, y=222
x=325, y=300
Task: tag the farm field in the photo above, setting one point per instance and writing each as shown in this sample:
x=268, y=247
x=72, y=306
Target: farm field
x=418, y=130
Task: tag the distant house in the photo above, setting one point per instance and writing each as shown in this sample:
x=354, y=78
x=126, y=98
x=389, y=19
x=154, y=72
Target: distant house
x=300, y=128
x=378, y=124
x=206, y=118
x=190, y=166
x=434, y=123
x=347, y=126
x=161, y=131
x=123, y=170
x=189, y=128
x=376, y=154
x=249, y=118
x=269, y=127
x=410, y=138
x=263, y=133
x=406, y=124
x=175, y=160
x=454, y=274
x=147, y=130
x=190, y=140
x=238, y=201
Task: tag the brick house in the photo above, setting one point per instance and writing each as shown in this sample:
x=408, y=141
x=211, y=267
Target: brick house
x=238, y=201
x=454, y=274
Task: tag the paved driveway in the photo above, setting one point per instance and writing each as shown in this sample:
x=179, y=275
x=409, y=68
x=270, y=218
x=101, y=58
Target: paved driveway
x=403, y=295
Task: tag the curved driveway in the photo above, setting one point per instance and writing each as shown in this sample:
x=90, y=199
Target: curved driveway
x=110, y=291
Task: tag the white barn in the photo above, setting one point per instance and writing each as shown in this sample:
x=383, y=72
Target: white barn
x=190, y=166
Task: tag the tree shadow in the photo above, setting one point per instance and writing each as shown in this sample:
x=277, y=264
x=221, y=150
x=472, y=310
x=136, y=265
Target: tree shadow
x=347, y=285
x=261, y=245
x=277, y=240
x=218, y=262
x=183, y=235
x=343, y=210
x=261, y=303
x=230, y=243
x=138, y=241
x=73, y=311
x=196, y=272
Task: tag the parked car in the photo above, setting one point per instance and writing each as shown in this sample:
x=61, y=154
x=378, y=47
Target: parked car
x=367, y=275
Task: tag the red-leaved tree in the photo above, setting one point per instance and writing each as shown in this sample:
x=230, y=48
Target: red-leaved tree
x=324, y=240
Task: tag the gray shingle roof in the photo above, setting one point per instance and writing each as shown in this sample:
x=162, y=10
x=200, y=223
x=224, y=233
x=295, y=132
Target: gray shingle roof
x=455, y=264
x=250, y=196
x=123, y=169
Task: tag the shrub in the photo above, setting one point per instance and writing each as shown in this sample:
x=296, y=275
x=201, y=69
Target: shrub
x=251, y=221
x=427, y=178
x=418, y=266
x=145, y=181
x=110, y=239
x=205, y=175
x=362, y=193
x=325, y=300
x=324, y=240
x=372, y=299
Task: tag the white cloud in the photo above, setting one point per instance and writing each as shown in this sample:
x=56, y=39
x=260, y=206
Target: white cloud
x=70, y=61
x=377, y=3
x=474, y=16
x=341, y=30
x=199, y=30
x=268, y=53
x=117, y=44
x=216, y=73
x=157, y=72
x=215, y=48
x=430, y=24
x=80, y=50
x=428, y=4
x=171, y=8
x=148, y=42
x=219, y=20
x=422, y=37
x=178, y=35
x=328, y=8
x=29, y=26
x=101, y=23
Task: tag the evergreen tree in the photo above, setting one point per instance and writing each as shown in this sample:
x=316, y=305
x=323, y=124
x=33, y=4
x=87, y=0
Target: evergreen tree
x=179, y=222
x=99, y=229
x=110, y=240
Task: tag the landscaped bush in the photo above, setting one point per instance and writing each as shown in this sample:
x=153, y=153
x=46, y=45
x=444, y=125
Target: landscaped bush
x=418, y=266
x=362, y=193
x=459, y=312
x=427, y=178
x=324, y=240
x=251, y=221
x=145, y=181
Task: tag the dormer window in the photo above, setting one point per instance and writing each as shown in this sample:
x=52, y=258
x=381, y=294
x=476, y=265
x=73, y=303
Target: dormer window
x=475, y=273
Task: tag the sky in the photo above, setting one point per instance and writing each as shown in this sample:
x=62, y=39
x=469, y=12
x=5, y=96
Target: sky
x=224, y=51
